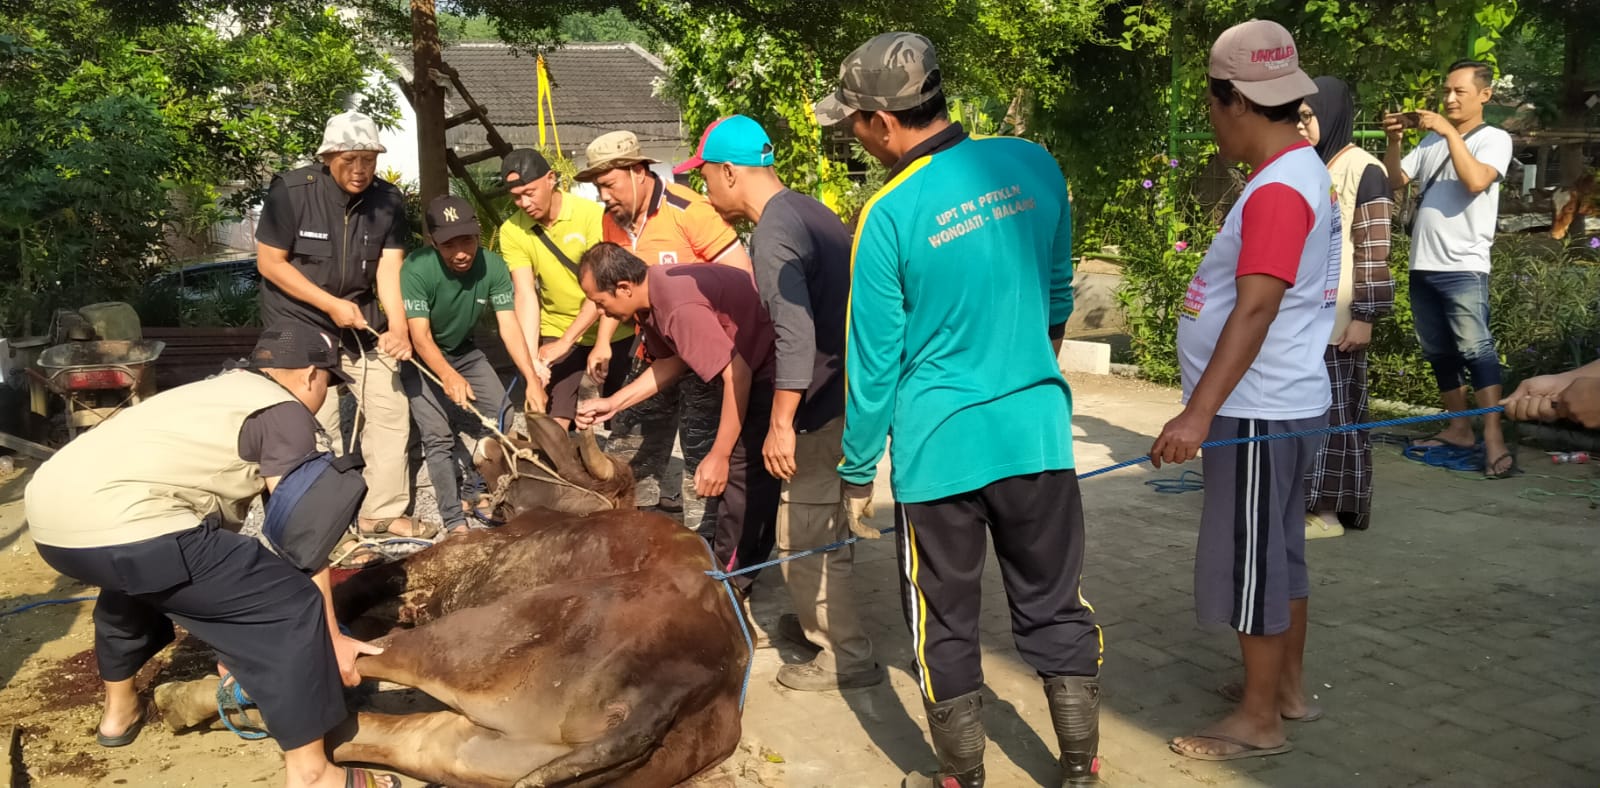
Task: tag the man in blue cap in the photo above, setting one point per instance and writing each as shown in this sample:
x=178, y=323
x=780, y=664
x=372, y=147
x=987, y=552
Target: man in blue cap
x=801, y=256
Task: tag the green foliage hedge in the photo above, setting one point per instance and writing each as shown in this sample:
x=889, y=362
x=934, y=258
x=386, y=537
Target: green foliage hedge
x=1544, y=312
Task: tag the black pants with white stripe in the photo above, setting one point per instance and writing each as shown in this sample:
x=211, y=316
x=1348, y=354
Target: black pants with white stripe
x=1251, y=556
x=1036, y=522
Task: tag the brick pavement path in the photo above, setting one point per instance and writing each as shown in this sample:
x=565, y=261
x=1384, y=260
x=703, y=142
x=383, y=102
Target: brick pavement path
x=1453, y=644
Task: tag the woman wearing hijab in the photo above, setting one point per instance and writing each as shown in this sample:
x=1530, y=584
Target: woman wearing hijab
x=1339, y=487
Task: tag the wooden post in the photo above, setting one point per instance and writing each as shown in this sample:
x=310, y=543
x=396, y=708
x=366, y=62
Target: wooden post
x=427, y=99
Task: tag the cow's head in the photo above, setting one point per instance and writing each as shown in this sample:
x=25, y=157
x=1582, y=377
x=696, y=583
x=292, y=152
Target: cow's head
x=590, y=480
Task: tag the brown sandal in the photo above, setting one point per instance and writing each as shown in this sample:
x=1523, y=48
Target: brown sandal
x=385, y=525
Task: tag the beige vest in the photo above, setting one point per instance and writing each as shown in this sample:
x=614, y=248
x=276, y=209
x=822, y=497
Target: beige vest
x=1345, y=170
x=157, y=468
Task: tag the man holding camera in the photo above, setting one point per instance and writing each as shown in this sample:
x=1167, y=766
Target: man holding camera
x=1460, y=162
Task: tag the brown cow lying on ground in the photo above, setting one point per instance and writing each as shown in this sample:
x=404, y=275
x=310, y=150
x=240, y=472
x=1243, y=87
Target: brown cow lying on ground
x=571, y=648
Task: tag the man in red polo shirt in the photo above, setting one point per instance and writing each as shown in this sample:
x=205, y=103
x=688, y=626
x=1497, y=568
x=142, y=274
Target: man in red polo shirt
x=710, y=321
x=662, y=224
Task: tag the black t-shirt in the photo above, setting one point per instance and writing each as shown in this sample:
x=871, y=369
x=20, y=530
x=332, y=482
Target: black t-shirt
x=801, y=254
x=279, y=438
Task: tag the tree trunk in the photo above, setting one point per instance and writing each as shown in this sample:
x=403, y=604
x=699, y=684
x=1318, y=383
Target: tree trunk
x=427, y=99
x=1571, y=165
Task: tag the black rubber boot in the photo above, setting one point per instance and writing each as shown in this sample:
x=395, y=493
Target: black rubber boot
x=1075, y=712
x=956, y=727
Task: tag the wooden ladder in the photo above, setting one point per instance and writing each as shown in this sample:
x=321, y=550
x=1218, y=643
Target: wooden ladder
x=498, y=147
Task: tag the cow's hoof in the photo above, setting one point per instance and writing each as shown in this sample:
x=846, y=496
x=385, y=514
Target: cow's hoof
x=186, y=704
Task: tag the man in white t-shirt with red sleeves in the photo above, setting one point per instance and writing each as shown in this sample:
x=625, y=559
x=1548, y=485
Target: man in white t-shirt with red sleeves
x=1250, y=341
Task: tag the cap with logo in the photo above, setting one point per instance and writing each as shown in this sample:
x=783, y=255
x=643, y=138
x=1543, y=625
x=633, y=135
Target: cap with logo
x=612, y=150
x=736, y=140
x=523, y=165
x=893, y=71
x=1260, y=59
x=291, y=345
x=349, y=131
x=449, y=217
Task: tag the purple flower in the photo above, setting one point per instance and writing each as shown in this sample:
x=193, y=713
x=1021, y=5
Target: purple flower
x=1149, y=183
x=1594, y=243
x=1180, y=246
x=1173, y=164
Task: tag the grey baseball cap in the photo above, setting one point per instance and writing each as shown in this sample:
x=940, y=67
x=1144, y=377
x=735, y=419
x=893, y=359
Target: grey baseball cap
x=890, y=72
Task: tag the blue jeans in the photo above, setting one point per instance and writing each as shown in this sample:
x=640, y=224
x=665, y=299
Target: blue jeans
x=1451, y=312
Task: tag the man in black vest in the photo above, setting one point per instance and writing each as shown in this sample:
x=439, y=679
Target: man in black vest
x=329, y=245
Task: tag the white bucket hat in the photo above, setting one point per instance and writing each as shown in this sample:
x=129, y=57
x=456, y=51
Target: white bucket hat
x=348, y=131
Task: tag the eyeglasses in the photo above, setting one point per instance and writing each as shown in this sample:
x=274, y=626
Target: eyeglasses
x=1306, y=116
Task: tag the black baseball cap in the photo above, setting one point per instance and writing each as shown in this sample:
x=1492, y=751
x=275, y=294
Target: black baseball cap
x=523, y=165
x=297, y=346
x=449, y=217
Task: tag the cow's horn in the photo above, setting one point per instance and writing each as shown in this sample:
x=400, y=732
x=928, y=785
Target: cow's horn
x=596, y=461
x=552, y=440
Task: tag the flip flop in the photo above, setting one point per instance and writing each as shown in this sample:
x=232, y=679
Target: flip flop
x=1511, y=470
x=126, y=737
x=1248, y=750
x=355, y=777
x=1233, y=692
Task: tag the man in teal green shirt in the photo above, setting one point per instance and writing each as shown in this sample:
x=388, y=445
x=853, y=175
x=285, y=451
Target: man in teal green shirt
x=961, y=277
x=447, y=288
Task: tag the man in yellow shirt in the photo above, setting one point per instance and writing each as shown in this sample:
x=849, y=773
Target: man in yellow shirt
x=541, y=246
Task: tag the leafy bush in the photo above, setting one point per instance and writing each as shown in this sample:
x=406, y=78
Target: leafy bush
x=1544, y=310
x=1157, y=226
x=119, y=121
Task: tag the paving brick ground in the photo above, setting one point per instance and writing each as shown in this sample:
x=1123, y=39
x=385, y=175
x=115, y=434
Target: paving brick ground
x=1453, y=644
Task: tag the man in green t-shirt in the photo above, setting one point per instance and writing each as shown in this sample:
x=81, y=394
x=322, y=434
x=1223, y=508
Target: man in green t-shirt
x=447, y=287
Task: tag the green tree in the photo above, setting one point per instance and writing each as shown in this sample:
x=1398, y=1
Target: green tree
x=772, y=60
x=121, y=120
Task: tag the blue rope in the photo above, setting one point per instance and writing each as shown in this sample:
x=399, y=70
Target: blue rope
x=724, y=576
x=738, y=613
x=1188, y=481
x=46, y=603
x=250, y=733
x=1454, y=458
x=1308, y=433
x=1182, y=484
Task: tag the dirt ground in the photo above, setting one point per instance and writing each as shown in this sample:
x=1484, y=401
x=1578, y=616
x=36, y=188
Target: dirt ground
x=1391, y=639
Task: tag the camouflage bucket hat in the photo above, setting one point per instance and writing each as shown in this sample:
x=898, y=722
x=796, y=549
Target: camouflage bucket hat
x=893, y=71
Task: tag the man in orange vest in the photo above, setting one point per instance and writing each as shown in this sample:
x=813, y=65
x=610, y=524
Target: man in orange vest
x=663, y=224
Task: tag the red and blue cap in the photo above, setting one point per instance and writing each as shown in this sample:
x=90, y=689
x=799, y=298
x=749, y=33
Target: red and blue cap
x=736, y=140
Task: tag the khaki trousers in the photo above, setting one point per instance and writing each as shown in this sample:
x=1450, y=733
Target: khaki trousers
x=384, y=416
x=811, y=514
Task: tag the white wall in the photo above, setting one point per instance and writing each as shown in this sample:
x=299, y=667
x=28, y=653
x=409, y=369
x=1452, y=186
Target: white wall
x=401, y=140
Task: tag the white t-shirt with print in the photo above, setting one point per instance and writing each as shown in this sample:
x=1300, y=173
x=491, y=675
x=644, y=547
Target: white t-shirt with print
x=1285, y=225
x=1455, y=228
